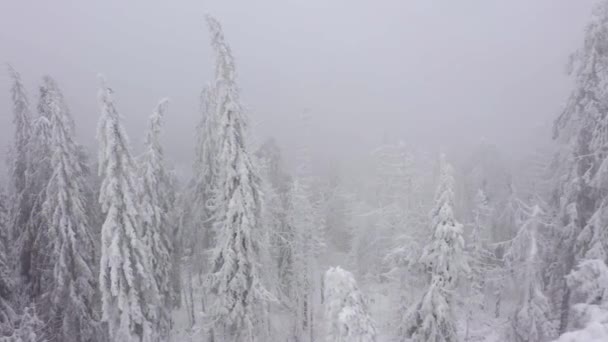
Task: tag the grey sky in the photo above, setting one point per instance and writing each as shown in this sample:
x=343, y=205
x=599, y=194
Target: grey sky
x=425, y=71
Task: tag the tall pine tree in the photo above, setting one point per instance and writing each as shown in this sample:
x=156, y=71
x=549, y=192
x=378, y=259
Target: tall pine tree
x=237, y=312
x=128, y=290
x=74, y=274
x=432, y=318
x=155, y=199
x=582, y=183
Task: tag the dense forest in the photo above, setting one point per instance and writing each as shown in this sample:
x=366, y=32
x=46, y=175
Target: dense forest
x=411, y=246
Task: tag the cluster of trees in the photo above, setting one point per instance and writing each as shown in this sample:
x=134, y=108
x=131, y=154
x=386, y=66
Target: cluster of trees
x=238, y=253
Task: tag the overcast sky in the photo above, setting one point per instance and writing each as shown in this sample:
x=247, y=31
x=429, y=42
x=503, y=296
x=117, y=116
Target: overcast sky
x=428, y=72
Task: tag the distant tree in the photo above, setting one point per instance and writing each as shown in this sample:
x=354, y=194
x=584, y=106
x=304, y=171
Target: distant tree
x=532, y=319
x=346, y=310
x=128, y=290
x=19, y=157
x=480, y=259
x=307, y=245
x=432, y=318
x=155, y=200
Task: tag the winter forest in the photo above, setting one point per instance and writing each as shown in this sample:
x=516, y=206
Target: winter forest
x=248, y=239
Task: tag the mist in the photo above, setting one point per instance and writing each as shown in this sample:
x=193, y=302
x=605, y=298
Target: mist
x=366, y=171
x=430, y=73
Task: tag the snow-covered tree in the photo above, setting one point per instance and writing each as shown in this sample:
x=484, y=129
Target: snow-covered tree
x=204, y=182
x=74, y=283
x=7, y=313
x=307, y=245
x=479, y=258
x=589, y=283
x=128, y=290
x=582, y=179
x=155, y=200
x=26, y=328
x=432, y=317
x=236, y=312
x=532, y=319
x=19, y=154
x=347, y=317
x=33, y=243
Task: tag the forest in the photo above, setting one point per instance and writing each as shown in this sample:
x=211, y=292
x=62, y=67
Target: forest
x=412, y=244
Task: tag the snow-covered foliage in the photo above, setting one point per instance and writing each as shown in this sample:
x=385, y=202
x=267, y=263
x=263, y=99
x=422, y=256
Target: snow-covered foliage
x=19, y=157
x=306, y=247
x=155, y=199
x=7, y=284
x=582, y=181
x=26, y=328
x=532, y=319
x=589, y=283
x=74, y=286
x=432, y=317
x=237, y=310
x=347, y=315
x=128, y=290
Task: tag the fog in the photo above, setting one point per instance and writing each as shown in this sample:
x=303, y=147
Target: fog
x=430, y=73
x=414, y=192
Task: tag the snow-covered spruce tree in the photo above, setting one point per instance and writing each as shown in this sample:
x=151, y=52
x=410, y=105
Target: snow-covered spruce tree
x=347, y=315
x=579, y=195
x=73, y=315
x=234, y=283
x=34, y=244
x=7, y=313
x=22, y=183
x=200, y=221
x=532, y=319
x=479, y=258
x=307, y=245
x=155, y=196
x=128, y=290
x=26, y=328
x=19, y=161
x=275, y=187
x=432, y=318
x=589, y=283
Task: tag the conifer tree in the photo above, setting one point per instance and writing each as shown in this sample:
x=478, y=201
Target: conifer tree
x=74, y=284
x=155, y=198
x=19, y=154
x=432, y=317
x=128, y=290
x=532, y=320
x=582, y=179
x=346, y=309
x=234, y=282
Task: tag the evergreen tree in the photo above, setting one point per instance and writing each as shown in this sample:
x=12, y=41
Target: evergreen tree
x=7, y=313
x=532, y=319
x=582, y=181
x=432, y=318
x=479, y=259
x=307, y=245
x=128, y=290
x=234, y=282
x=346, y=309
x=34, y=243
x=589, y=282
x=155, y=198
x=73, y=287
x=19, y=161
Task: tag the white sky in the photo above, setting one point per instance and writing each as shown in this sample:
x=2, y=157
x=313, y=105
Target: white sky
x=428, y=72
